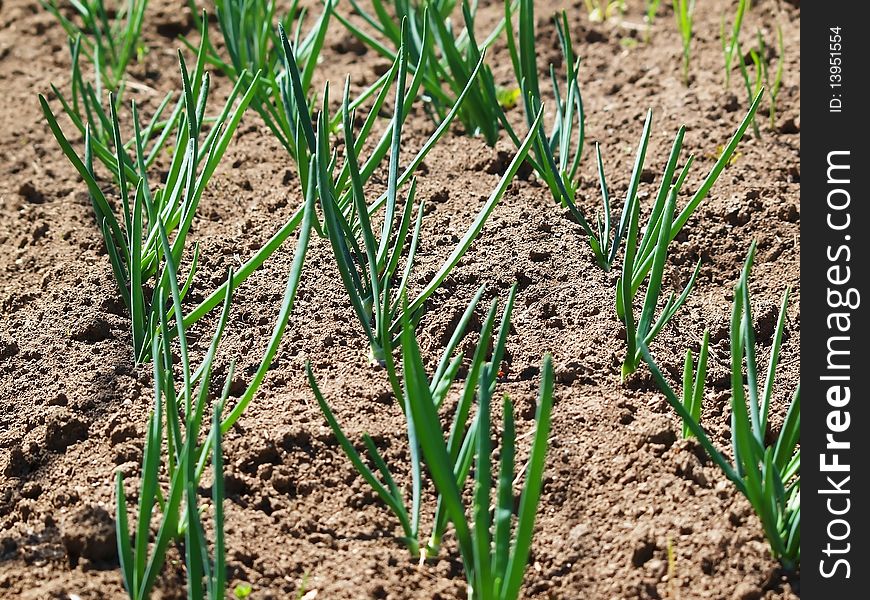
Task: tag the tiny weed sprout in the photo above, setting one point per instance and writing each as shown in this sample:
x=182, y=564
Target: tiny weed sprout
x=652, y=9
x=439, y=385
x=646, y=256
x=369, y=264
x=494, y=544
x=447, y=58
x=132, y=239
x=684, y=11
x=556, y=158
x=109, y=38
x=768, y=474
x=731, y=44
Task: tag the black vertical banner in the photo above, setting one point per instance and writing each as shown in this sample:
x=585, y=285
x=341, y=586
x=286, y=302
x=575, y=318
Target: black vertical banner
x=835, y=250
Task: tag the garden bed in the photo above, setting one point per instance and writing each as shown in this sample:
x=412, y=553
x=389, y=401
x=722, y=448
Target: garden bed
x=628, y=510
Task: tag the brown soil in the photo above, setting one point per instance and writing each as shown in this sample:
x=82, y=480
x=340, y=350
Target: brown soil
x=621, y=494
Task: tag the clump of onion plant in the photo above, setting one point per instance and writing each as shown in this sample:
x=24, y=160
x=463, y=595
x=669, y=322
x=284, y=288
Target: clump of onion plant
x=765, y=467
x=494, y=539
x=368, y=261
x=380, y=478
x=445, y=51
x=130, y=231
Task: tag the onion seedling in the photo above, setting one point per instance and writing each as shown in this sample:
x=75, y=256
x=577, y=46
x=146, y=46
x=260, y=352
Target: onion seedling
x=694, y=382
x=369, y=264
x=255, y=46
x=773, y=86
x=556, y=158
x=768, y=474
x=177, y=419
x=647, y=255
x=761, y=62
x=753, y=89
x=684, y=11
x=132, y=238
x=731, y=44
x=494, y=550
x=439, y=385
x=85, y=109
x=341, y=188
x=453, y=64
x=652, y=8
x=109, y=42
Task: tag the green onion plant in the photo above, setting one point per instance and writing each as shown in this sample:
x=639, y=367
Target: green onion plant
x=108, y=37
x=684, y=11
x=646, y=255
x=342, y=187
x=555, y=157
x=85, y=107
x=131, y=237
x=730, y=44
x=768, y=474
x=761, y=62
x=177, y=420
x=652, y=9
x=494, y=542
x=254, y=45
x=694, y=382
x=439, y=385
x=369, y=263
x=172, y=450
x=445, y=52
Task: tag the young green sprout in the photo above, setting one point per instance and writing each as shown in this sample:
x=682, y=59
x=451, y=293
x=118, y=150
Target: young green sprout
x=731, y=45
x=131, y=237
x=439, y=385
x=694, y=382
x=768, y=474
x=110, y=43
x=684, y=12
x=446, y=58
x=369, y=263
x=494, y=544
x=761, y=61
x=652, y=8
x=647, y=255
